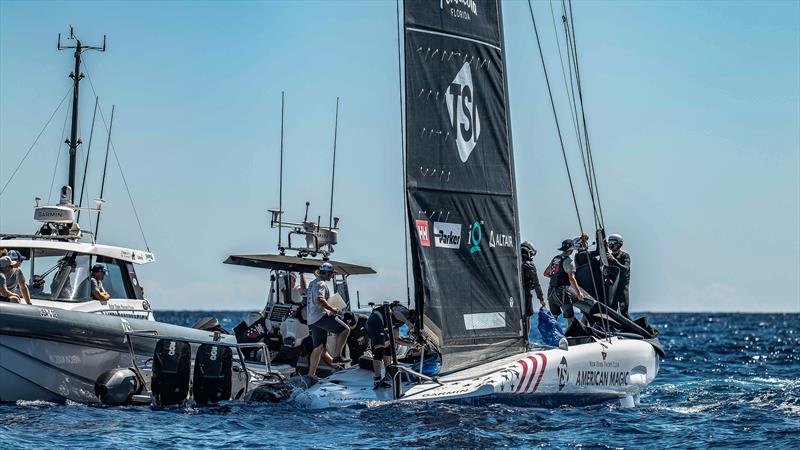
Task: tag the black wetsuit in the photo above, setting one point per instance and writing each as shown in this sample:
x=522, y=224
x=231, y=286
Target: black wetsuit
x=530, y=282
x=622, y=260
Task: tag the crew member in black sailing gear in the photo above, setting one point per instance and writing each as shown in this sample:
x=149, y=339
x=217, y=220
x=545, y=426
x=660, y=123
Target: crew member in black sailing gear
x=561, y=272
x=530, y=278
x=621, y=259
x=379, y=336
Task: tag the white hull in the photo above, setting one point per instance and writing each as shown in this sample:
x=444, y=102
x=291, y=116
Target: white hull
x=583, y=374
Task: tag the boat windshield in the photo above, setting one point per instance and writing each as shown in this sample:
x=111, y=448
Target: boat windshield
x=64, y=276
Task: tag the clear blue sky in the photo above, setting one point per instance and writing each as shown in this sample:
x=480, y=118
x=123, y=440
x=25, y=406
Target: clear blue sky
x=693, y=109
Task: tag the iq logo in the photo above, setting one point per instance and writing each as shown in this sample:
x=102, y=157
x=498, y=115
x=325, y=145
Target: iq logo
x=423, y=231
x=475, y=236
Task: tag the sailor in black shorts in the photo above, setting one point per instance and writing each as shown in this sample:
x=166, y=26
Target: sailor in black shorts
x=379, y=336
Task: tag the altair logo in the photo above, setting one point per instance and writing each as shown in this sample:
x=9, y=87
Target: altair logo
x=463, y=109
x=475, y=236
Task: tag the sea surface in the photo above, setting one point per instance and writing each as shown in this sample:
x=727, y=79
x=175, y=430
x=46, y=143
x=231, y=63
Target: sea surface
x=728, y=380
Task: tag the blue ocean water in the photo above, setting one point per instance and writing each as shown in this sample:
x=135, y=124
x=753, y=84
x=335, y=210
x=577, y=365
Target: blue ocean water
x=729, y=380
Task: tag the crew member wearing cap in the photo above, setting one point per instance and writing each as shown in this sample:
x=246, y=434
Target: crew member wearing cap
x=13, y=287
x=322, y=320
x=96, y=277
x=561, y=272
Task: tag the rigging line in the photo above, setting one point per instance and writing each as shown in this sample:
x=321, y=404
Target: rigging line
x=583, y=115
x=30, y=149
x=555, y=116
x=333, y=170
x=86, y=160
x=105, y=169
x=280, y=183
x=114, y=150
x=569, y=89
x=58, y=157
x=567, y=84
x=573, y=106
x=403, y=148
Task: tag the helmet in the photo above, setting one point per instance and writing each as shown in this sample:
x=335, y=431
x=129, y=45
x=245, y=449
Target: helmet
x=566, y=244
x=99, y=267
x=614, y=239
x=326, y=267
x=527, y=247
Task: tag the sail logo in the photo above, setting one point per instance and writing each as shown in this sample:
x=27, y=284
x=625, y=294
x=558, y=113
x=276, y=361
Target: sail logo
x=563, y=373
x=475, y=236
x=463, y=112
x=447, y=235
x=423, y=233
x=456, y=10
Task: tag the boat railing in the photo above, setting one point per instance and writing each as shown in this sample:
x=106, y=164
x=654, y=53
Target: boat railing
x=217, y=340
x=51, y=237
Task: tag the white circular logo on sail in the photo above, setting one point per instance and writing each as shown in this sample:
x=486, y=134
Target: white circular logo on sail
x=463, y=111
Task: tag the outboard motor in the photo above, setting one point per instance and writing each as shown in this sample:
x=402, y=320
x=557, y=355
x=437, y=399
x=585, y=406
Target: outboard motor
x=213, y=370
x=117, y=387
x=171, y=367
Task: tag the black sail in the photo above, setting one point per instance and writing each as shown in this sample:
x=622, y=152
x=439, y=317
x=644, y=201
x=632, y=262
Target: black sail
x=460, y=181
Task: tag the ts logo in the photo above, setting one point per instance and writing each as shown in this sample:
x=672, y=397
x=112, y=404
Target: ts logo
x=463, y=111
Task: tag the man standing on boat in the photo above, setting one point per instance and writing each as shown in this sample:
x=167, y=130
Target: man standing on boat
x=322, y=320
x=378, y=327
x=530, y=278
x=622, y=260
x=561, y=272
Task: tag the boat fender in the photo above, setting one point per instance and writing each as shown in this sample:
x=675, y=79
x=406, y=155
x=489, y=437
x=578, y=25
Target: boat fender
x=213, y=370
x=171, y=371
x=117, y=387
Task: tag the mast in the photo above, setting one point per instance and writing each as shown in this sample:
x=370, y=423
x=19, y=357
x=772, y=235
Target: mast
x=76, y=76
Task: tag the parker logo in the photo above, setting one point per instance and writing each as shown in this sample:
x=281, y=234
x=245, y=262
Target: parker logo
x=500, y=240
x=563, y=373
x=475, y=236
x=463, y=109
x=447, y=235
x=423, y=232
x=460, y=9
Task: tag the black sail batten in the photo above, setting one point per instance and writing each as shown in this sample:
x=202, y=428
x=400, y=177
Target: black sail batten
x=460, y=181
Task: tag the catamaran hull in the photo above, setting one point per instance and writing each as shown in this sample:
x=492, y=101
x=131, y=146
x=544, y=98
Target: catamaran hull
x=584, y=374
x=57, y=355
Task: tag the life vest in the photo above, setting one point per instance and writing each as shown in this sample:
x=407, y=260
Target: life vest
x=558, y=276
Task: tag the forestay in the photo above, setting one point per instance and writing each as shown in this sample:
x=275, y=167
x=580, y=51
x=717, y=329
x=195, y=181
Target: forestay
x=460, y=181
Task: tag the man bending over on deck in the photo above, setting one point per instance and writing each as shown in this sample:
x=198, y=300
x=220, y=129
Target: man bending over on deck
x=561, y=272
x=322, y=319
x=379, y=337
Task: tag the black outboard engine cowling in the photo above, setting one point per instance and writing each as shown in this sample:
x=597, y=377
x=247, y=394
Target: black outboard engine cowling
x=117, y=387
x=213, y=370
x=171, y=371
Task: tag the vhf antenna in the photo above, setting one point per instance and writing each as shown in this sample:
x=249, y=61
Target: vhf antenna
x=76, y=76
x=280, y=185
x=333, y=170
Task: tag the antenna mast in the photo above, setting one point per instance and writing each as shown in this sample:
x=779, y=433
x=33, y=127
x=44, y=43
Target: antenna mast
x=333, y=171
x=76, y=76
x=280, y=184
